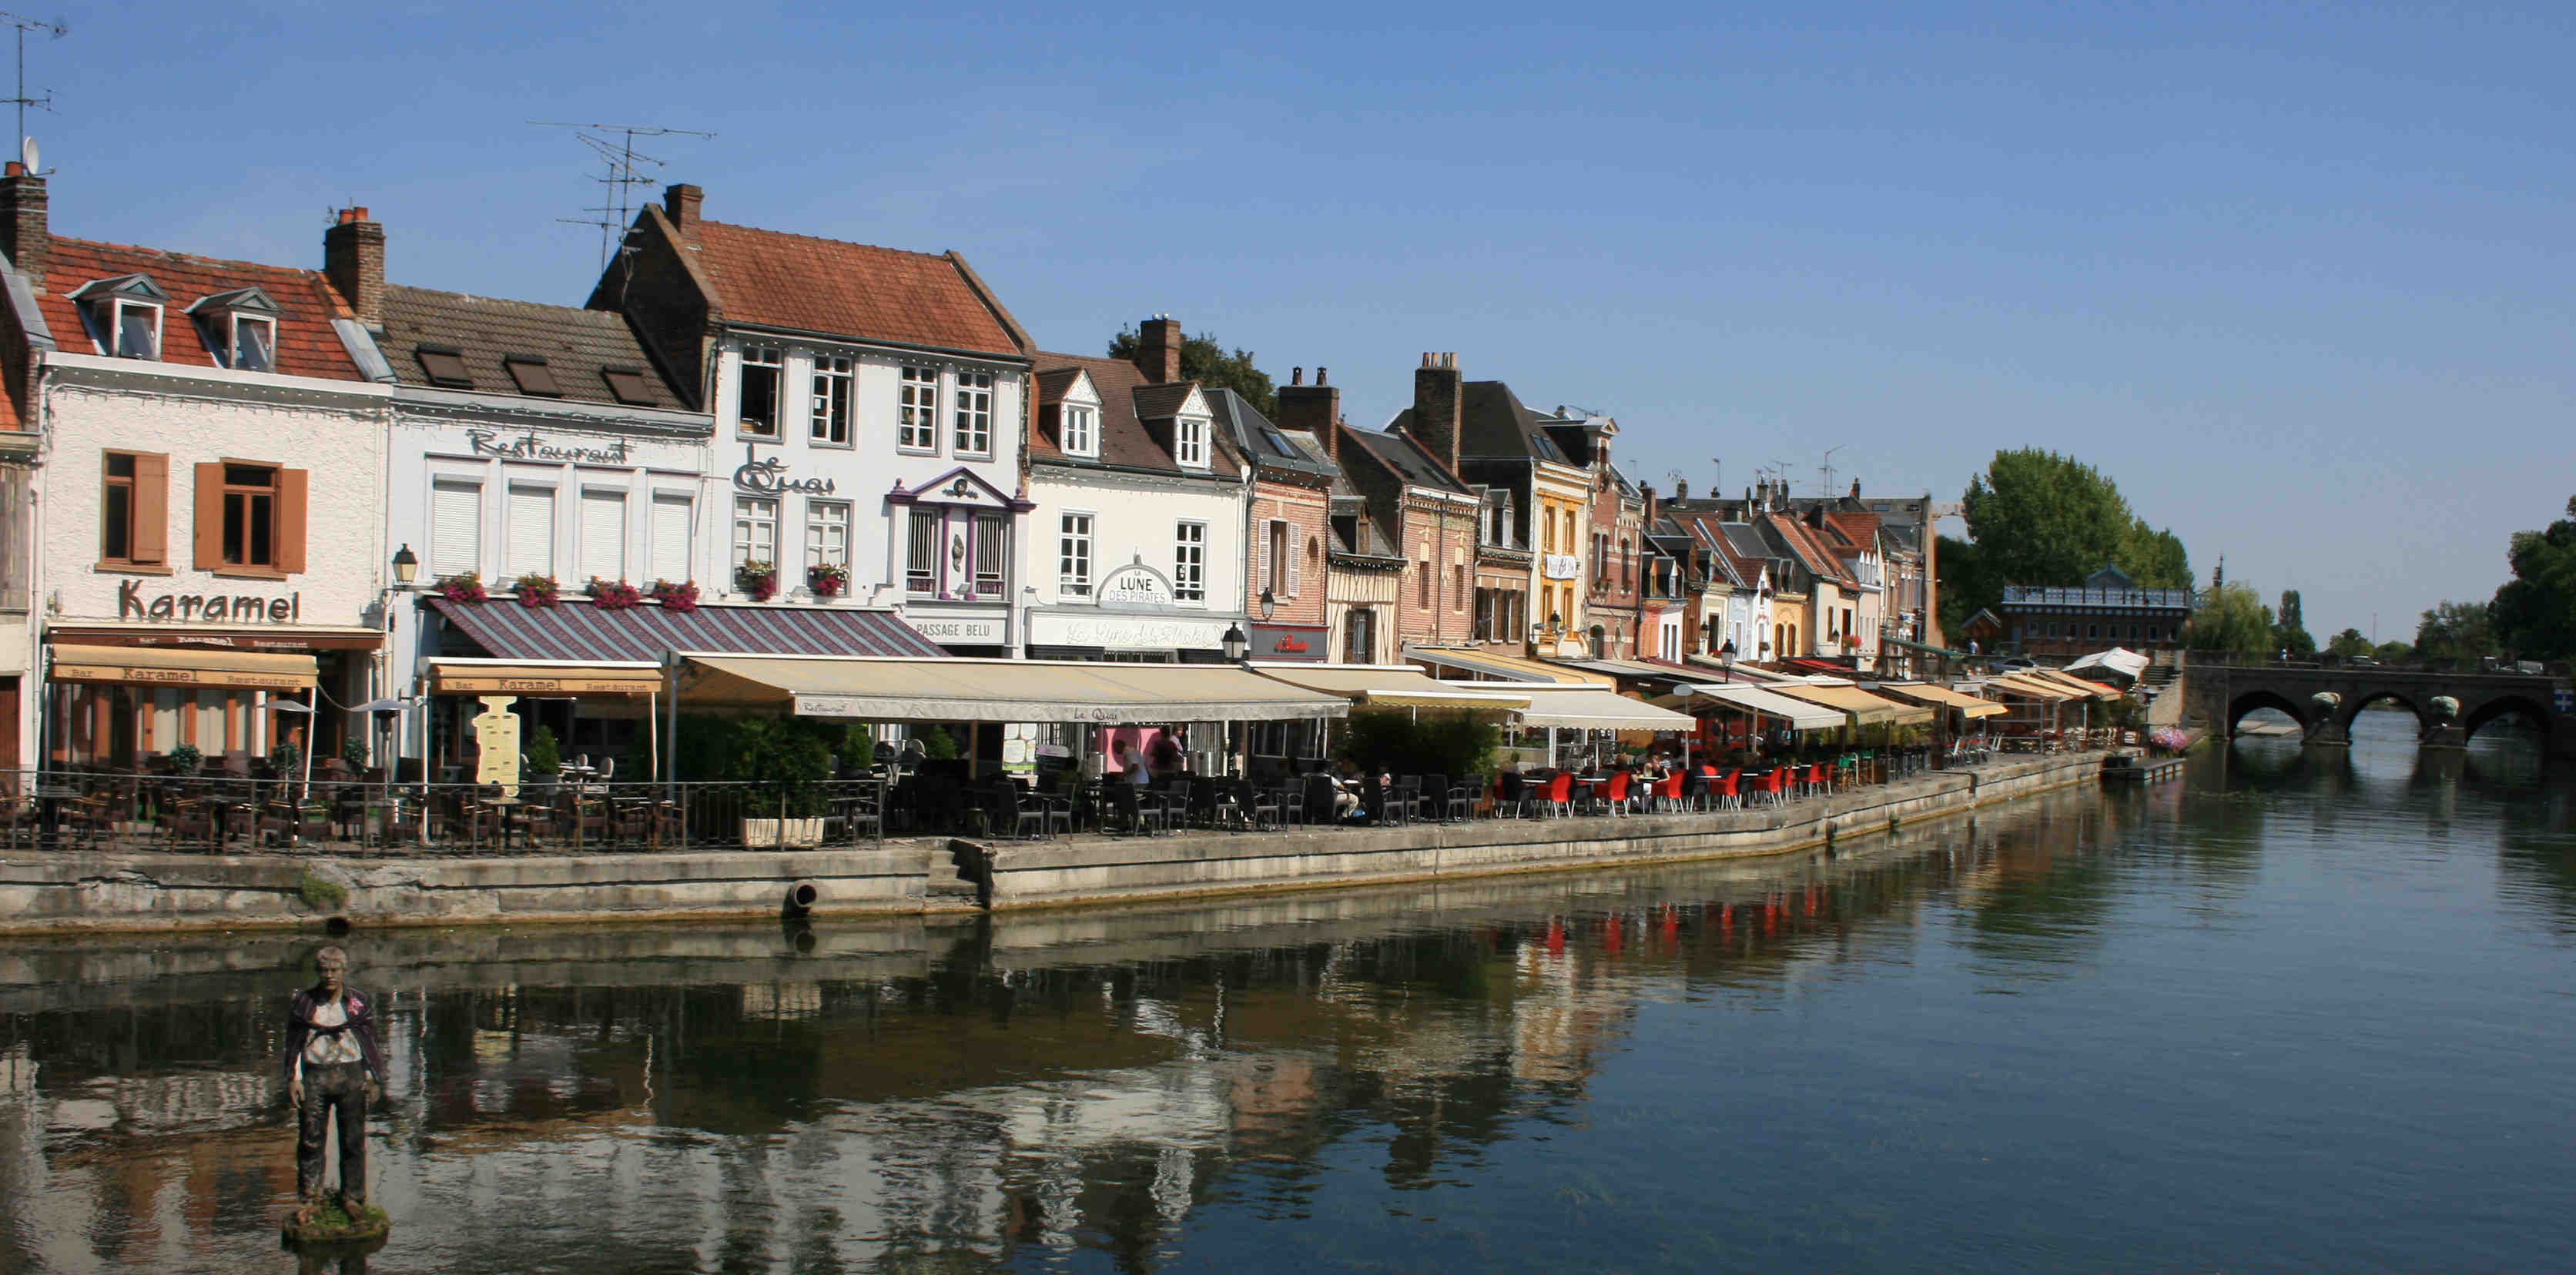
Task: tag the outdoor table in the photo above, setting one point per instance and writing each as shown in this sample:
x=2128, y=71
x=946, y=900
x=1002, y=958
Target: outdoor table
x=503, y=808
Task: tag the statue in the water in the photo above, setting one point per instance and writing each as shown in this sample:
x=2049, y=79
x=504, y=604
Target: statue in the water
x=333, y=1068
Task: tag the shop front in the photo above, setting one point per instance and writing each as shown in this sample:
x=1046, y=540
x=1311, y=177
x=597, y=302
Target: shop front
x=1135, y=622
x=125, y=698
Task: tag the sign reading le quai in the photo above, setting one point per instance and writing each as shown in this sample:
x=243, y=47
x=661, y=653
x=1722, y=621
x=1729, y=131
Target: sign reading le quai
x=206, y=608
x=769, y=477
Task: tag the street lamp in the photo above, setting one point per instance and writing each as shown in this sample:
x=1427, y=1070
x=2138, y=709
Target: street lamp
x=1726, y=657
x=1555, y=626
x=406, y=565
x=1235, y=643
x=1268, y=604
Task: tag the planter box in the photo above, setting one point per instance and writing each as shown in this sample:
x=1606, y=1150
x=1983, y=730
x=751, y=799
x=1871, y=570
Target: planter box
x=763, y=834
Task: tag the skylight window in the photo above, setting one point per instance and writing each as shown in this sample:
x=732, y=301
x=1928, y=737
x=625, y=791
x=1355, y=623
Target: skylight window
x=445, y=365
x=627, y=385
x=532, y=374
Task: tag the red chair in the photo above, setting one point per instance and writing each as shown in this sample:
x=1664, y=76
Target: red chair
x=1815, y=779
x=1667, y=792
x=1616, y=799
x=1560, y=793
x=1725, y=793
x=1775, y=785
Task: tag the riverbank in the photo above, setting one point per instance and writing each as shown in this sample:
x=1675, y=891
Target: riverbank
x=56, y=892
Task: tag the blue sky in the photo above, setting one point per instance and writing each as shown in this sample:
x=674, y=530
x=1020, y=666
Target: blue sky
x=2297, y=276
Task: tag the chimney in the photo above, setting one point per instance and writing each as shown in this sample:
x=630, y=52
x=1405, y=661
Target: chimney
x=1437, y=408
x=1649, y=494
x=1681, y=489
x=353, y=259
x=1158, y=349
x=24, y=234
x=680, y=202
x=1313, y=409
x=1855, y=489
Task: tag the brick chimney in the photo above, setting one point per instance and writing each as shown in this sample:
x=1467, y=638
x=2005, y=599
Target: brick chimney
x=1855, y=489
x=1158, y=349
x=680, y=203
x=1436, y=408
x=1681, y=489
x=1313, y=409
x=353, y=259
x=24, y=232
x=1649, y=494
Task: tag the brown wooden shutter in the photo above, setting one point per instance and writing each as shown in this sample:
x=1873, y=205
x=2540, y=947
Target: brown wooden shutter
x=209, y=530
x=151, y=540
x=290, y=520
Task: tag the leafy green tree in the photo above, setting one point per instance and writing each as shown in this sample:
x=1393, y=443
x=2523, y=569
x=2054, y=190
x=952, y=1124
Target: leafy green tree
x=2535, y=612
x=2155, y=559
x=2456, y=631
x=2232, y=618
x=1205, y=361
x=2045, y=519
x=1966, y=586
x=2289, y=632
x=2348, y=644
x=2394, y=650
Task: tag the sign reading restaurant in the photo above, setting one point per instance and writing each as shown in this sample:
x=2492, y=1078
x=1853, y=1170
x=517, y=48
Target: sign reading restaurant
x=206, y=608
x=530, y=446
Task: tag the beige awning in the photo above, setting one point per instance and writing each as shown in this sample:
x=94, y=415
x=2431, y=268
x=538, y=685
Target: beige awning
x=1395, y=686
x=1740, y=670
x=1864, y=708
x=1797, y=713
x=1969, y=706
x=478, y=678
x=171, y=666
x=974, y=690
x=1589, y=709
x=2082, y=688
x=2030, y=688
x=1508, y=668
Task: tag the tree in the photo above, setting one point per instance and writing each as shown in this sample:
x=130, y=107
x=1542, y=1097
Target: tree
x=2535, y=612
x=2045, y=519
x=2348, y=644
x=2392, y=651
x=2455, y=631
x=2289, y=632
x=1205, y=361
x=2155, y=559
x=2232, y=618
x=1966, y=586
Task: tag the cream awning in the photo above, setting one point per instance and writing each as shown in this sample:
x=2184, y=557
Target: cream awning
x=477, y=677
x=1395, y=686
x=2082, y=689
x=1740, y=669
x=1509, y=668
x=1589, y=709
x=2030, y=688
x=170, y=666
x=1942, y=697
x=1798, y=713
x=964, y=690
x=1864, y=708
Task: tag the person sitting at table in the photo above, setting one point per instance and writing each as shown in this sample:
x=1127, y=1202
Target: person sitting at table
x=1131, y=763
x=1167, y=758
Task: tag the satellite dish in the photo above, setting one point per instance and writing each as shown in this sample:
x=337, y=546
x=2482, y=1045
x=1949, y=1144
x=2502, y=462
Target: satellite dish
x=27, y=155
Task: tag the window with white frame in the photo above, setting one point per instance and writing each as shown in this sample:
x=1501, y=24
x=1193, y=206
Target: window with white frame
x=992, y=553
x=1189, y=562
x=827, y=533
x=756, y=390
x=603, y=533
x=240, y=328
x=1081, y=431
x=830, y=414
x=1189, y=442
x=916, y=420
x=673, y=533
x=755, y=530
x=921, y=552
x=1073, y=557
x=455, y=527
x=974, y=413
x=530, y=528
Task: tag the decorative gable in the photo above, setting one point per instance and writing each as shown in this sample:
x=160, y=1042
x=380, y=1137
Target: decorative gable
x=960, y=486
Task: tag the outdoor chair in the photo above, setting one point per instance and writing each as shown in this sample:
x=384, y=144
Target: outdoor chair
x=1462, y=798
x=1669, y=792
x=1558, y=800
x=1613, y=798
x=1404, y=800
x=1512, y=793
x=858, y=811
x=1323, y=799
x=1260, y=805
x=1431, y=800
x=1728, y=793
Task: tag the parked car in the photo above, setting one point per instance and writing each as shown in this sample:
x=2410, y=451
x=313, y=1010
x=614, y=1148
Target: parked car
x=2015, y=664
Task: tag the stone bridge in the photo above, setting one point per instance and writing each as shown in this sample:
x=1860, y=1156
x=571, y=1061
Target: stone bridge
x=2323, y=701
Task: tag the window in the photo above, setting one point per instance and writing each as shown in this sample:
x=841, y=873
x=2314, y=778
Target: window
x=1422, y=586
x=974, y=413
x=1073, y=557
x=444, y=365
x=921, y=553
x=455, y=527
x=529, y=543
x=603, y=533
x=1458, y=587
x=1080, y=438
x=250, y=518
x=134, y=509
x=672, y=535
x=1189, y=442
x=627, y=385
x=1360, y=637
x=1277, y=583
x=917, y=410
x=992, y=552
x=123, y=315
x=755, y=530
x=827, y=533
x=756, y=393
x=1189, y=561
x=831, y=412
x=530, y=373
x=242, y=342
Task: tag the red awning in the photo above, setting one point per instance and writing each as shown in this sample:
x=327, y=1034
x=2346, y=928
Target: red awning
x=581, y=631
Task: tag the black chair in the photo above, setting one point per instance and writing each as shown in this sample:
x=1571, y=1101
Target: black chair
x=1462, y=798
x=1262, y=805
x=1323, y=799
x=1515, y=795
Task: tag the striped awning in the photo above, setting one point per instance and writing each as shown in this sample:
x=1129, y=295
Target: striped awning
x=577, y=630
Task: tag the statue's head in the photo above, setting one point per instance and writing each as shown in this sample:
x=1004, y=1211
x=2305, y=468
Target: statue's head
x=331, y=968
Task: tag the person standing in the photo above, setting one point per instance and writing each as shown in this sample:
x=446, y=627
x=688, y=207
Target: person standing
x=333, y=1068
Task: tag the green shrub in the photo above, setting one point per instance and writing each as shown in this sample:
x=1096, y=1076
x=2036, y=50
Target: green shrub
x=353, y=750
x=936, y=745
x=1396, y=741
x=185, y=759
x=285, y=760
x=544, y=758
x=792, y=751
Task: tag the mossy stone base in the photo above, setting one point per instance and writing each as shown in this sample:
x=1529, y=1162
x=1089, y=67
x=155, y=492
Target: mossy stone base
x=332, y=1226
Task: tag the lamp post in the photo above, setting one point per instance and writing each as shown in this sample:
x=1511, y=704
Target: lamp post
x=1726, y=659
x=406, y=566
x=1236, y=645
x=1268, y=604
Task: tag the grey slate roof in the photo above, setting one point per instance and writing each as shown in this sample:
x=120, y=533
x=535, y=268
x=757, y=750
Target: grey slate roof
x=1492, y=422
x=1400, y=454
x=576, y=344
x=1256, y=439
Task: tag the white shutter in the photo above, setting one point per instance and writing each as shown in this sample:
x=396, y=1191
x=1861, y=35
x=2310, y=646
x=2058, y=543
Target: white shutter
x=455, y=528
x=671, y=537
x=1293, y=551
x=603, y=534
x=531, y=531
x=1261, y=559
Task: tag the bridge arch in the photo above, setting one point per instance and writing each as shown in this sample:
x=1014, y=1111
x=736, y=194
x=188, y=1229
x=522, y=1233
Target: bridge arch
x=2253, y=700
x=2507, y=705
x=2363, y=699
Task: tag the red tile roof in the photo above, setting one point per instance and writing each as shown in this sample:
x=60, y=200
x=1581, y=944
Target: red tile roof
x=306, y=345
x=772, y=279
x=1811, y=549
x=1853, y=533
x=580, y=631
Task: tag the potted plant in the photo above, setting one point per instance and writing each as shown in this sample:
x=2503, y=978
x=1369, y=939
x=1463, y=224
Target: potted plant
x=827, y=579
x=353, y=750
x=676, y=595
x=545, y=758
x=612, y=595
x=185, y=759
x=535, y=589
x=780, y=765
x=464, y=586
x=756, y=580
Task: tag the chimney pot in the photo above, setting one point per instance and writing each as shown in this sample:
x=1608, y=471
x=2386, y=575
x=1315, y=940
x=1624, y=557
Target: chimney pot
x=353, y=259
x=1681, y=489
x=1297, y=376
x=1319, y=374
x=1158, y=349
x=16, y=169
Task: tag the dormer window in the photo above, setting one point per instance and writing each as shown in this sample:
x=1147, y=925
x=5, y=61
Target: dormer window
x=530, y=373
x=1189, y=442
x=123, y=315
x=1081, y=430
x=240, y=328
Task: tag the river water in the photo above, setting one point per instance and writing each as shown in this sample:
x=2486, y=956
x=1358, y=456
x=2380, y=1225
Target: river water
x=2301, y=1009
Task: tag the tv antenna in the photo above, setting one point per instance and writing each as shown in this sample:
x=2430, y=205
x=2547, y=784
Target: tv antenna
x=1828, y=470
x=25, y=24
x=623, y=168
